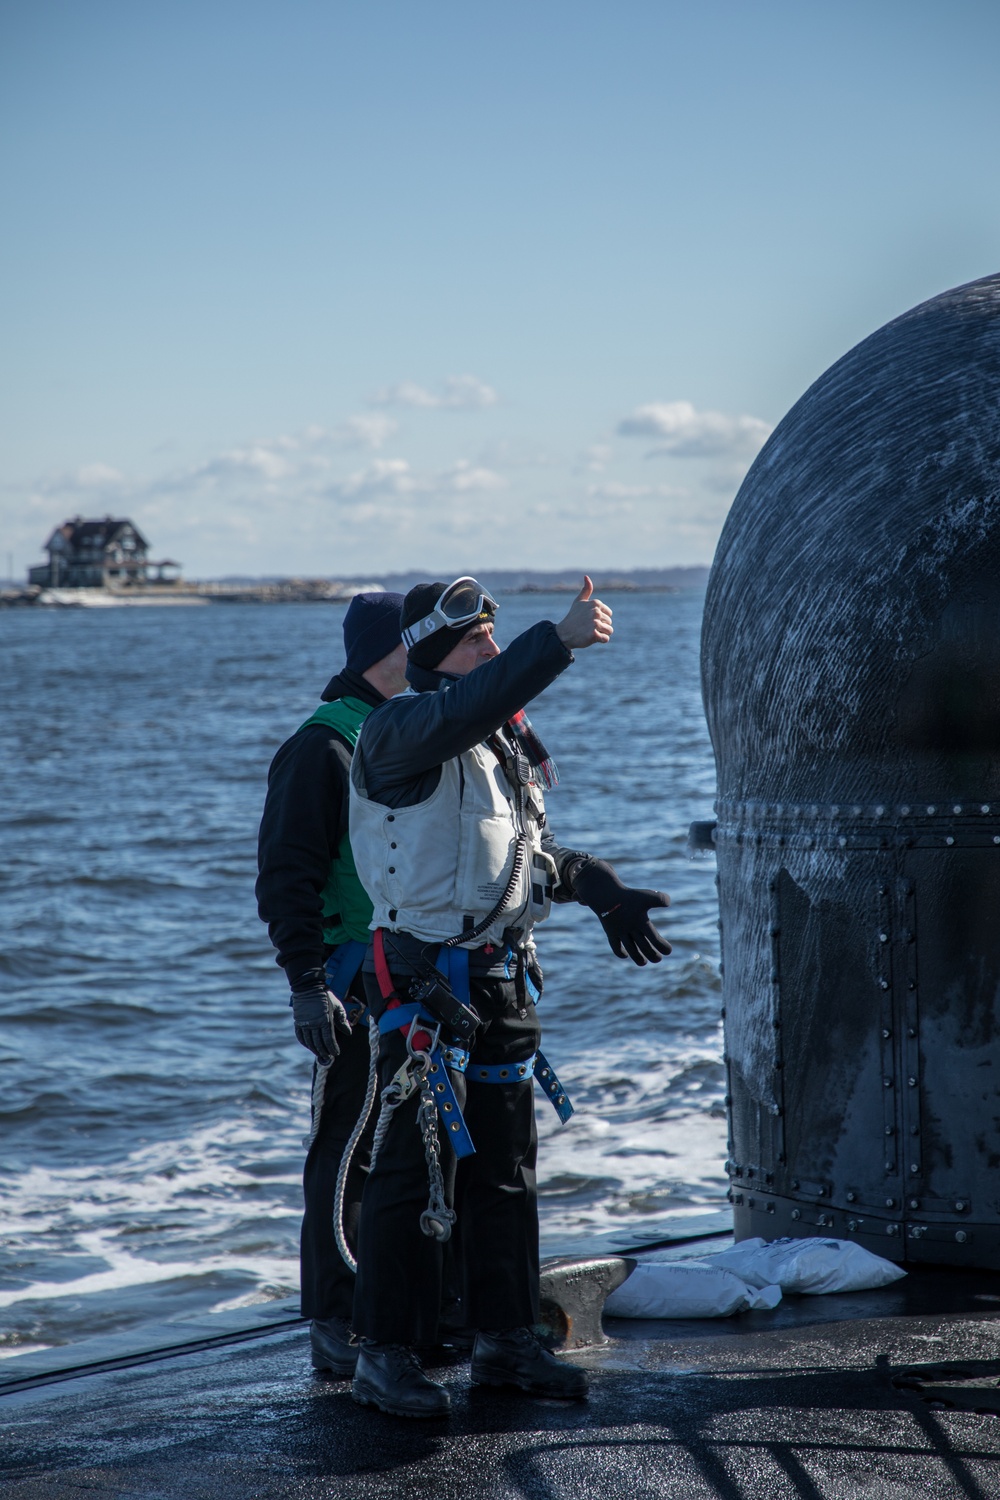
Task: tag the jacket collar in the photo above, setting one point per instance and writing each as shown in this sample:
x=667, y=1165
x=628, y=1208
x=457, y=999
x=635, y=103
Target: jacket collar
x=348, y=684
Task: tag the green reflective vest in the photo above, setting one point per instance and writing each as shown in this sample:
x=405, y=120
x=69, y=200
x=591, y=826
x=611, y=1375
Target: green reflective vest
x=347, y=910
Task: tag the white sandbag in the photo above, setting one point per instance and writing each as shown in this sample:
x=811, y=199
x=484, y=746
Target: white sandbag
x=686, y=1289
x=810, y=1266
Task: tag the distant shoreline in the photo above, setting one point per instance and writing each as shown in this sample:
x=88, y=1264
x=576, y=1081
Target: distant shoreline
x=341, y=591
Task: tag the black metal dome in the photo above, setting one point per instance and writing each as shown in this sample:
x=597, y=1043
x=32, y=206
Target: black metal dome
x=851, y=674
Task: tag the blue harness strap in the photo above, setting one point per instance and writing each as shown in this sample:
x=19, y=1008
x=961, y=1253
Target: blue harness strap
x=558, y=1096
x=503, y=1072
x=448, y=1107
x=442, y=1058
x=341, y=968
x=518, y=1072
x=454, y=965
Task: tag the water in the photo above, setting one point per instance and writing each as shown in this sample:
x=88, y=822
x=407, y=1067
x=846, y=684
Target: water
x=152, y=1097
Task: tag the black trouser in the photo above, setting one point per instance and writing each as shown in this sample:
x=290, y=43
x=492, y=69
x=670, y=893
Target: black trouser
x=400, y=1269
x=327, y=1283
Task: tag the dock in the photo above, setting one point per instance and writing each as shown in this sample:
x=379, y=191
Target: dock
x=891, y=1395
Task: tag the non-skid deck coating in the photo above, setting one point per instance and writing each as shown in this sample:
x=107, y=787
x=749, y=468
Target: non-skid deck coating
x=799, y=1402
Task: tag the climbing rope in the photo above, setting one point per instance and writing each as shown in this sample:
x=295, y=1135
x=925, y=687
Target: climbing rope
x=349, y=1150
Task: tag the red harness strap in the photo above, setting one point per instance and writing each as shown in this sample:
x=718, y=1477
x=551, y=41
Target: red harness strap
x=421, y=1039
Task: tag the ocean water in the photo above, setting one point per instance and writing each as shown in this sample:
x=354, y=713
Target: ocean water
x=152, y=1096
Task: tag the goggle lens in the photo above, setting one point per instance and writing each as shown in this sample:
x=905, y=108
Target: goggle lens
x=466, y=600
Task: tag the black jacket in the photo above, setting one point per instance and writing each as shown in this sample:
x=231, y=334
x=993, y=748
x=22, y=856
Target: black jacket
x=305, y=818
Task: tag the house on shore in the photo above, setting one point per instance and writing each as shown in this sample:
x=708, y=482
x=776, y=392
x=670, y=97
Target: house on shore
x=106, y=554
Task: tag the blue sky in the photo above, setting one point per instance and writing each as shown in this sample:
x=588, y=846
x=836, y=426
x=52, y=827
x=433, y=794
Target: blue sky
x=322, y=288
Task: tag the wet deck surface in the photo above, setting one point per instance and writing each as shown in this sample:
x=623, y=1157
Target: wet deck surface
x=824, y=1397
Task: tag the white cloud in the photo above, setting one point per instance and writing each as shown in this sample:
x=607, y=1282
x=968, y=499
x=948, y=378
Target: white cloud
x=258, y=461
x=463, y=477
x=689, y=433
x=87, y=477
x=383, y=478
x=459, y=393
x=367, y=430
x=395, y=479
x=595, y=459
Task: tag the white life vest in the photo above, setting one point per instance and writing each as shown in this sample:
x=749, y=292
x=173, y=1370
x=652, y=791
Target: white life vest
x=438, y=868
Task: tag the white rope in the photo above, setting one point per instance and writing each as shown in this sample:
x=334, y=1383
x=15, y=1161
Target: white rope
x=351, y=1147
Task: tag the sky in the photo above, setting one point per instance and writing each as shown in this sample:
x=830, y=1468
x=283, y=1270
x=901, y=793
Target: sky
x=340, y=287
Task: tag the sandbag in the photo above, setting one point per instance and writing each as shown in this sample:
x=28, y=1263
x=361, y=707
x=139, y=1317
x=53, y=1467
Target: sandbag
x=686, y=1289
x=810, y=1266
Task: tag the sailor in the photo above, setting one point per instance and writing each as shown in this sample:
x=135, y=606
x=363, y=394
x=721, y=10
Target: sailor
x=318, y=917
x=449, y=832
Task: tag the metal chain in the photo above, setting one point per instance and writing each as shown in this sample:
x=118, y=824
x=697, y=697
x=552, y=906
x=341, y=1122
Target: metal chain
x=437, y=1219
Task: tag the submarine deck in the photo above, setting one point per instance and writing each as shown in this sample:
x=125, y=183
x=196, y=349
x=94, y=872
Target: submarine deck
x=883, y=1394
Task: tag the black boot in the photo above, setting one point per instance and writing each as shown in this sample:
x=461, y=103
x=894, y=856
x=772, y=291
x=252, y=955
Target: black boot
x=515, y=1357
x=389, y=1377
x=334, y=1347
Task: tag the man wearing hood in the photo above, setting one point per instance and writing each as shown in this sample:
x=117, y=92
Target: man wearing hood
x=449, y=831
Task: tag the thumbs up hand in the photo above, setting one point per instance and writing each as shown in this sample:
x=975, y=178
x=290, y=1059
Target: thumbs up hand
x=586, y=622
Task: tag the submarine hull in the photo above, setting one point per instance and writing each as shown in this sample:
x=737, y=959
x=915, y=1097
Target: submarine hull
x=851, y=676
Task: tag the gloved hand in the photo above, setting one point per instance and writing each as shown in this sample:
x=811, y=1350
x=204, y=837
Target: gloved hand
x=623, y=911
x=318, y=1016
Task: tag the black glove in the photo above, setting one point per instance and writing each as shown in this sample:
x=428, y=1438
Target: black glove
x=623, y=911
x=318, y=1016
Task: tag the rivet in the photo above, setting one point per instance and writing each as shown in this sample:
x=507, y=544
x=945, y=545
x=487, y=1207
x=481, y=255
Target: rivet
x=852, y=1223
x=883, y=984
x=985, y=807
x=851, y=1197
x=905, y=812
x=931, y=811
x=949, y=840
x=890, y=1203
x=960, y=1205
x=912, y=1082
x=795, y=1184
x=996, y=838
x=887, y=1083
x=883, y=937
x=961, y=1236
x=888, y=1130
x=842, y=842
x=914, y=1167
x=956, y=810
x=914, y=1202
x=796, y=1214
x=914, y=1129
x=892, y=1229
x=886, y=1033
x=879, y=811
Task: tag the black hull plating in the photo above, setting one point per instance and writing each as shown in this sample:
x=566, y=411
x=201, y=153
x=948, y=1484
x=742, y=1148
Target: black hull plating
x=851, y=671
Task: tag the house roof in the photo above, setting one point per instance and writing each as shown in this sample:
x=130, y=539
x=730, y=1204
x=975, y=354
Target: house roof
x=79, y=532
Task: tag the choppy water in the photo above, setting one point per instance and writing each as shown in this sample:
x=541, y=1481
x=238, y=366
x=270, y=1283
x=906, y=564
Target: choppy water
x=152, y=1097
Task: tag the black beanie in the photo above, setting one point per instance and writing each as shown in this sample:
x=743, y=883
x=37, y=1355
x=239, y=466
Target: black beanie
x=371, y=629
x=433, y=649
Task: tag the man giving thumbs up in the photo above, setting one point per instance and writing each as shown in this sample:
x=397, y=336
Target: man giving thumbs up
x=451, y=842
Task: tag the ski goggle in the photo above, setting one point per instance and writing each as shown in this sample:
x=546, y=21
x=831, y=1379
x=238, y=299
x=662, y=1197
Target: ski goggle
x=462, y=603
